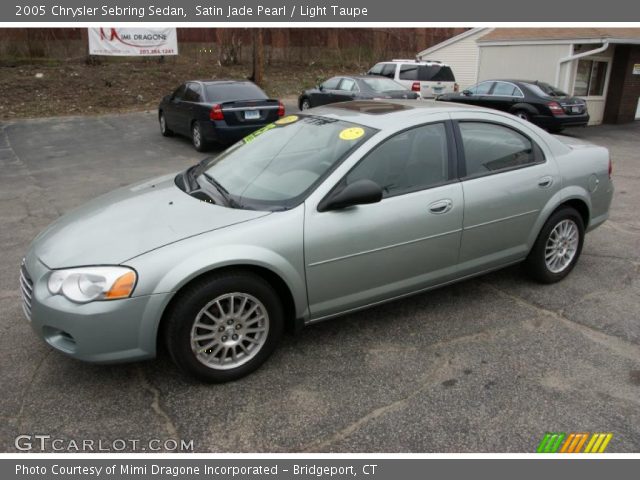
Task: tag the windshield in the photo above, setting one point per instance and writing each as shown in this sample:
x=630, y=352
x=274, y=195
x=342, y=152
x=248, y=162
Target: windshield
x=383, y=84
x=275, y=167
x=546, y=90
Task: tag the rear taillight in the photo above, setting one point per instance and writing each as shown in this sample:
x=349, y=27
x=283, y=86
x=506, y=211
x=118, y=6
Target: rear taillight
x=280, y=109
x=456, y=87
x=610, y=168
x=555, y=108
x=415, y=87
x=216, y=113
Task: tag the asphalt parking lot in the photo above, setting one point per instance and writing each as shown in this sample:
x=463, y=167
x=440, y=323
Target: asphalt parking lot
x=487, y=365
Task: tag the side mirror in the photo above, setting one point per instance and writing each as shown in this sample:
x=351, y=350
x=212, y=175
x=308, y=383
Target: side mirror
x=360, y=192
x=466, y=93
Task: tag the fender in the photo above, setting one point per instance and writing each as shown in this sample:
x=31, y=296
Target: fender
x=570, y=192
x=524, y=106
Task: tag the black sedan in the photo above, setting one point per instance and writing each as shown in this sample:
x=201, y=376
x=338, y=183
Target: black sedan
x=535, y=101
x=343, y=89
x=221, y=111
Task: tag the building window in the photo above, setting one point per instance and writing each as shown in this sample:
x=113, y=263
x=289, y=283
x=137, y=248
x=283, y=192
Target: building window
x=590, y=78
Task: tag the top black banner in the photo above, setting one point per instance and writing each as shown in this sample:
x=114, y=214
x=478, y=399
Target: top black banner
x=353, y=11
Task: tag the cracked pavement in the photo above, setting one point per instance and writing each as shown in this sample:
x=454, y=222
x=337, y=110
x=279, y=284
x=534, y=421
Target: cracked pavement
x=486, y=365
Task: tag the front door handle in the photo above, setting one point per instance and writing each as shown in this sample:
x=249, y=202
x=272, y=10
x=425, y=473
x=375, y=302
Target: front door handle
x=441, y=206
x=545, y=182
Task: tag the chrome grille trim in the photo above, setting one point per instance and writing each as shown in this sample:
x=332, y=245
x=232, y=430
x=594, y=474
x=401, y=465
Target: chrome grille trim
x=26, y=289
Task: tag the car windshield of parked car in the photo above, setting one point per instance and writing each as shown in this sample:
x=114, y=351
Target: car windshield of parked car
x=226, y=92
x=545, y=90
x=274, y=168
x=383, y=84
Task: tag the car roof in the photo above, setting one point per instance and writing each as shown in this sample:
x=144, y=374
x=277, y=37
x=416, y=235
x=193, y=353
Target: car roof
x=417, y=62
x=220, y=82
x=381, y=114
x=512, y=80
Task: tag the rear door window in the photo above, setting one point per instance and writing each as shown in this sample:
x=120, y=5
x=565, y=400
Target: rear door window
x=193, y=93
x=347, y=84
x=489, y=148
x=179, y=93
x=408, y=72
x=505, y=89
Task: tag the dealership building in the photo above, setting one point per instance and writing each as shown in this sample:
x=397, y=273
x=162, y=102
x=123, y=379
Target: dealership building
x=601, y=65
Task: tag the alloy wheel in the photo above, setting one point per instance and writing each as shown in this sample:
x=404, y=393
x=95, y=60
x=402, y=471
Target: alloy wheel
x=229, y=331
x=561, y=246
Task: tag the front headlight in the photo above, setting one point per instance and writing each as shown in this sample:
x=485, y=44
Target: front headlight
x=87, y=284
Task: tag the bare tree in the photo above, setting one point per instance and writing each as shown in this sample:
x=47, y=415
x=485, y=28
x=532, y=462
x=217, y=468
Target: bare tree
x=258, y=57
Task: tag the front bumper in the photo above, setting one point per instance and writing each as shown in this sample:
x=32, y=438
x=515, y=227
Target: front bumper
x=219, y=131
x=103, y=331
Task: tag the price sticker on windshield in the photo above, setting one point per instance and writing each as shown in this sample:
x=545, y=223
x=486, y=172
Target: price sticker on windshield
x=287, y=120
x=351, y=133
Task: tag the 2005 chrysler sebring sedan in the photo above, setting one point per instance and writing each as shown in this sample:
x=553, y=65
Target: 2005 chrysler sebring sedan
x=308, y=218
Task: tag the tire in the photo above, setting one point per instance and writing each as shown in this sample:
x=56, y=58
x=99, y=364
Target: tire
x=550, y=261
x=305, y=104
x=556, y=129
x=211, y=359
x=523, y=114
x=197, y=138
x=164, y=130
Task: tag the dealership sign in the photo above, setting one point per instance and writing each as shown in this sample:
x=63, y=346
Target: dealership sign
x=133, y=41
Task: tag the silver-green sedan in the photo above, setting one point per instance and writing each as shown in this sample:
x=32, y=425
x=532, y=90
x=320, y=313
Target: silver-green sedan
x=311, y=217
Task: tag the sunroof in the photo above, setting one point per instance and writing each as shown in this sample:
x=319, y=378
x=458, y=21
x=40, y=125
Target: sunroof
x=371, y=107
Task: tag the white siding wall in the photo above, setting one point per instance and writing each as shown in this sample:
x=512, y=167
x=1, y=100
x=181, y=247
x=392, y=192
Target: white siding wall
x=525, y=62
x=462, y=56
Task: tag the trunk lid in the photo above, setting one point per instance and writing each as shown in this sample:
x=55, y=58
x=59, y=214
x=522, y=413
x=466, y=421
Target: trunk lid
x=248, y=112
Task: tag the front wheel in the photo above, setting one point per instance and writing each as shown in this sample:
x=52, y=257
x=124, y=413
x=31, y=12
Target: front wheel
x=224, y=327
x=164, y=129
x=557, y=247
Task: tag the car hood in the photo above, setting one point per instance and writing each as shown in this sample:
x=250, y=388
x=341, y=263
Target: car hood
x=130, y=221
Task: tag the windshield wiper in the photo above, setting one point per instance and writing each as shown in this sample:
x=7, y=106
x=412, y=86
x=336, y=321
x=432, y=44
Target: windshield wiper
x=224, y=193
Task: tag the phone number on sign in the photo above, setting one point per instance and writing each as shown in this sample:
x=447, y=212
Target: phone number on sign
x=156, y=51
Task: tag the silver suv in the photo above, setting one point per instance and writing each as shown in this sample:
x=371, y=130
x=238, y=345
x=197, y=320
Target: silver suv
x=430, y=78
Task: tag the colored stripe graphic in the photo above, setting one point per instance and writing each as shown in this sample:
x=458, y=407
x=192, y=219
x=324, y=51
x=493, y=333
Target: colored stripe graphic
x=550, y=442
x=598, y=443
x=573, y=442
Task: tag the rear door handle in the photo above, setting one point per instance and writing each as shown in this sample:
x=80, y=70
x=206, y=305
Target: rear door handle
x=441, y=206
x=545, y=182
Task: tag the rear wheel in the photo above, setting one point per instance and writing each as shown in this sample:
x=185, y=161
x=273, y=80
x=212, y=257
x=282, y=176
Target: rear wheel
x=197, y=137
x=225, y=327
x=305, y=104
x=557, y=247
x=164, y=130
x=523, y=114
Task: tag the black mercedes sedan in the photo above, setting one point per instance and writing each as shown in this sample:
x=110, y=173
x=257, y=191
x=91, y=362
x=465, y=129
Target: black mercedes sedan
x=343, y=89
x=220, y=111
x=537, y=102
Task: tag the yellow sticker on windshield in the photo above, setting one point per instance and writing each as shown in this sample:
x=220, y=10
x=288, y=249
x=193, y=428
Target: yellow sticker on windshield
x=351, y=133
x=286, y=120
